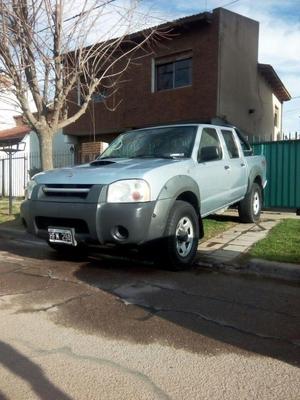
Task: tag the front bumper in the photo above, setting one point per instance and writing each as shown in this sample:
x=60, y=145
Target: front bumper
x=99, y=223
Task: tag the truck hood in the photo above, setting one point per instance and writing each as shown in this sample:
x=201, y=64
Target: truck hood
x=106, y=171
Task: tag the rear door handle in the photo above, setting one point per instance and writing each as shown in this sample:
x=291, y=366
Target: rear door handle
x=243, y=165
x=227, y=167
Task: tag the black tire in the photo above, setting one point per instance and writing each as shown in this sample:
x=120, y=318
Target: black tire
x=70, y=252
x=250, y=207
x=180, y=246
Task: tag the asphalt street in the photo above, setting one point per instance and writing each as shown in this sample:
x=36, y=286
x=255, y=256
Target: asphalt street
x=107, y=327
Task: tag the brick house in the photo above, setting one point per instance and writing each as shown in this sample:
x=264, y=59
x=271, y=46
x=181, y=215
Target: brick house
x=209, y=71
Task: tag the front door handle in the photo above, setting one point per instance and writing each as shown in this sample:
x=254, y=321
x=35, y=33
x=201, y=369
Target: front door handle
x=243, y=165
x=227, y=167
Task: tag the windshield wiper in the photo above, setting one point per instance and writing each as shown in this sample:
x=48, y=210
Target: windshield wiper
x=105, y=158
x=165, y=156
x=143, y=156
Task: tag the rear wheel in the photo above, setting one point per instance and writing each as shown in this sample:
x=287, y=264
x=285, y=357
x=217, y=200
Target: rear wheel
x=250, y=207
x=181, y=236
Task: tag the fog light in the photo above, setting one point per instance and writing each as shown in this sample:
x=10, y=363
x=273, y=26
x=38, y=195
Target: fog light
x=120, y=233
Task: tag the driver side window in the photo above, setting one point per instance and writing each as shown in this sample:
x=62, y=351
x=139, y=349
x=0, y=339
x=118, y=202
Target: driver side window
x=209, y=144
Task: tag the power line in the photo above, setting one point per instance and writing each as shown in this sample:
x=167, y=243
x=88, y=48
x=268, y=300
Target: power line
x=230, y=3
x=120, y=7
x=92, y=9
x=143, y=14
x=137, y=12
x=82, y=13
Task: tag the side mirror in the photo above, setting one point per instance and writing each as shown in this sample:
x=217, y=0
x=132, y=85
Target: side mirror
x=210, y=153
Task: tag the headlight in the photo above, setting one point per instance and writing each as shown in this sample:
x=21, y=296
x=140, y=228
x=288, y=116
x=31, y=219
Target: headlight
x=31, y=184
x=128, y=191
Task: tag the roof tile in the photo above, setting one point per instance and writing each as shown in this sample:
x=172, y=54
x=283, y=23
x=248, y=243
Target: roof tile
x=14, y=133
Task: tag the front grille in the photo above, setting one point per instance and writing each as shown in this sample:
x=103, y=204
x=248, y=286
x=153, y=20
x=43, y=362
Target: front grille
x=79, y=225
x=67, y=190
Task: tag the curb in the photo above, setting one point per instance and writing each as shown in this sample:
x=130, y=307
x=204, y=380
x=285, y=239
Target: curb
x=259, y=268
x=274, y=269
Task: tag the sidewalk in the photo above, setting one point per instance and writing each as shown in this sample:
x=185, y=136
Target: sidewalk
x=228, y=251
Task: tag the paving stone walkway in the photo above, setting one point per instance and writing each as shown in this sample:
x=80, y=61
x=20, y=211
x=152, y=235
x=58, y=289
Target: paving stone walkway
x=231, y=244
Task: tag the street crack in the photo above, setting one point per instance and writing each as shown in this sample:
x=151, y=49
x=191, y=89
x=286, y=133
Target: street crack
x=157, y=310
x=67, y=351
x=62, y=303
x=189, y=294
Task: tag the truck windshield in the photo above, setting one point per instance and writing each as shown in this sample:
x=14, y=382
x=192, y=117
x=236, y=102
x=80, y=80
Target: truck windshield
x=167, y=142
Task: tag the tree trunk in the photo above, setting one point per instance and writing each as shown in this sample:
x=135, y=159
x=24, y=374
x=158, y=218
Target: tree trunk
x=46, y=146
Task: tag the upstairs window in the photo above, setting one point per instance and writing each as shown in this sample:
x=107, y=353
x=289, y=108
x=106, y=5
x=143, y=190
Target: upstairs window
x=100, y=96
x=276, y=117
x=174, y=74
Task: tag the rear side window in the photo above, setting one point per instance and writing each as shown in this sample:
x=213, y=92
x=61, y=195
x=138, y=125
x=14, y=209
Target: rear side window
x=231, y=145
x=247, y=149
x=209, y=137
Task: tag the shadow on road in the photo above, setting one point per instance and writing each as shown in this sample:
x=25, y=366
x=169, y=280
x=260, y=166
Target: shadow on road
x=2, y=397
x=24, y=368
x=208, y=311
x=201, y=311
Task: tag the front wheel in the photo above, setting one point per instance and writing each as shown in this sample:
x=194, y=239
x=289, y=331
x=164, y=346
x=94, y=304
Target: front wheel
x=181, y=236
x=250, y=207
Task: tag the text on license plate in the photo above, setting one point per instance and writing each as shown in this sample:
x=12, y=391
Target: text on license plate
x=62, y=235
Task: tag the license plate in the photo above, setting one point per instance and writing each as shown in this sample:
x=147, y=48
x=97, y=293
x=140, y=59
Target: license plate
x=62, y=235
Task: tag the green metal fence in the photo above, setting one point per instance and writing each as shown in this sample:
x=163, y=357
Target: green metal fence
x=283, y=173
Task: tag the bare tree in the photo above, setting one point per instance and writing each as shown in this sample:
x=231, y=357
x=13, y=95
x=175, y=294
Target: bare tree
x=46, y=52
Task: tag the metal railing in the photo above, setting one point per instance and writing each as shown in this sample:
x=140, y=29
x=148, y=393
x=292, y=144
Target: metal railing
x=283, y=173
x=24, y=167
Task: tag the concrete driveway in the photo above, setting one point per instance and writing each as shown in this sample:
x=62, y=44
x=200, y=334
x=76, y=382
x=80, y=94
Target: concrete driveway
x=109, y=328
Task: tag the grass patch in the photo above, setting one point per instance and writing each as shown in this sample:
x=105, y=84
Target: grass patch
x=282, y=243
x=216, y=224
x=4, y=211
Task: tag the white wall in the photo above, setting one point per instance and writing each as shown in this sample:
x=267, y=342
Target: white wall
x=266, y=111
x=20, y=166
x=28, y=159
x=8, y=109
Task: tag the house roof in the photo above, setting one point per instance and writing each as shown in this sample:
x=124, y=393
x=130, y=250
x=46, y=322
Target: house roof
x=180, y=23
x=274, y=81
x=14, y=135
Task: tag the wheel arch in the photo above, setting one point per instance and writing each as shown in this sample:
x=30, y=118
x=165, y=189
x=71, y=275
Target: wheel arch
x=191, y=198
x=184, y=188
x=181, y=186
x=257, y=178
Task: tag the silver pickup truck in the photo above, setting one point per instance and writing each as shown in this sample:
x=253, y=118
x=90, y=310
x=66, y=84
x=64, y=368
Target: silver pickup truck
x=150, y=185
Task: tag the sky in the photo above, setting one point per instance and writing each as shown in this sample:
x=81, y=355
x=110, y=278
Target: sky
x=279, y=40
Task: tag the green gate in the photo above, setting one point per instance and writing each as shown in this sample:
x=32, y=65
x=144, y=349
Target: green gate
x=283, y=173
